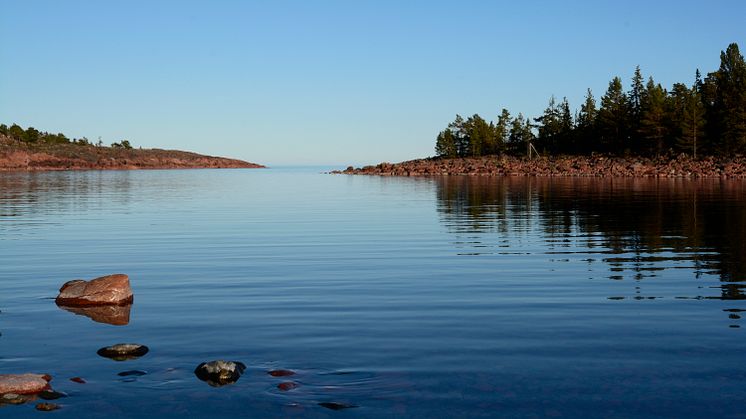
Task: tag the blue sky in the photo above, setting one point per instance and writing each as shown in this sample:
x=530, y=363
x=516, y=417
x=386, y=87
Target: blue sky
x=330, y=82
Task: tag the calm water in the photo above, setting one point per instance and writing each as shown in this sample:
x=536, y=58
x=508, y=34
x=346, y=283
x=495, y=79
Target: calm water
x=431, y=297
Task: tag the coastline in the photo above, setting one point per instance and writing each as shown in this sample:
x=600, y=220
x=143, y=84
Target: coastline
x=568, y=166
x=17, y=156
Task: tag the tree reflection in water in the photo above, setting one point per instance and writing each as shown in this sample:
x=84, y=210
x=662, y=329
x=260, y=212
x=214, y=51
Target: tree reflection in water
x=635, y=226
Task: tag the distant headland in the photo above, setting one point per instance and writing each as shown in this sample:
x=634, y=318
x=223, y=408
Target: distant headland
x=33, y=150
x=696, y=130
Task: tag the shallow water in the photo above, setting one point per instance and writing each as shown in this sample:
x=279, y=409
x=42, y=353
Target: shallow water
x=419, y=297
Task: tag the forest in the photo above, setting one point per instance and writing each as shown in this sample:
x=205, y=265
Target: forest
x=707, y=117
x=32, y=135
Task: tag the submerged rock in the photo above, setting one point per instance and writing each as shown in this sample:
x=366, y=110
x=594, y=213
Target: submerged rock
x=51, y=395
x=106, y=290
x=336, y=406
x=130, y=373
x=287, y=385
x=219, y=373
x=281, y=373
x=13, y=398
x=123, y=351
x=117, y=315
x=78, y=380
x=23, y=383
x=46, y=407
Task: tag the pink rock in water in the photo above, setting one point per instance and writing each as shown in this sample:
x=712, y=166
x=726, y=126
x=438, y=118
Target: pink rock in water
x=23, y=383
x=106, y=290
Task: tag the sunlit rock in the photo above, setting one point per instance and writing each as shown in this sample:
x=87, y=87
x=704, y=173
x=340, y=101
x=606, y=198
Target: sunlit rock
x=123, y=351
x=117, y=315
x=23, y=383
x=106, y=290
x=219, y=373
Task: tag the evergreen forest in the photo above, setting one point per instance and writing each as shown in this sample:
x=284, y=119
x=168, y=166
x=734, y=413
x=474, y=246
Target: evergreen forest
x=706, y=117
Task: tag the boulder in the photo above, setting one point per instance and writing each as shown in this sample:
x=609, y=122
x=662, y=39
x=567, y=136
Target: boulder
x=106, y=290
x=24, y=383
x=123, y=351
x=219, y=373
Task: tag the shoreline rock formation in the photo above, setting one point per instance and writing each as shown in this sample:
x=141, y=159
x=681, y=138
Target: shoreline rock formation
x=574, y=166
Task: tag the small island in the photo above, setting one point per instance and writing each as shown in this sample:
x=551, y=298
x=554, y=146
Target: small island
x=696, y=130
x=33, y=150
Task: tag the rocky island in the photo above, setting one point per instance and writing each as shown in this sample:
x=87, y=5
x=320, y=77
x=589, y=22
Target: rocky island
x=55, y=152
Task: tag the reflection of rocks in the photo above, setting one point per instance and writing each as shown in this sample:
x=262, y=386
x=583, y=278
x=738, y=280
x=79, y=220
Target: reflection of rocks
x=23, y=383
x=123, y=351
x=118, y=315
x=106, y=290
x=219, y=373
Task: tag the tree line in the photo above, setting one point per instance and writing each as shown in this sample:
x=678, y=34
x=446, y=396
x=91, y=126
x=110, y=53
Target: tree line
x=707, y=117
x=31, y=135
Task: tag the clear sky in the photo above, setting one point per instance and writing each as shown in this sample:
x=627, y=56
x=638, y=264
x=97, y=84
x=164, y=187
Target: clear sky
x=331, y=82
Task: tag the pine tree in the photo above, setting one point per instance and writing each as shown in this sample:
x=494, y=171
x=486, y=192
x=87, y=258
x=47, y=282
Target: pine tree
x=502, y=131
x=692, y=122
x=636, y=97
x=445, y=144
x=653, y=118
x=730, y=102
x=586, y=123
x=549, y=125
x=613, y=117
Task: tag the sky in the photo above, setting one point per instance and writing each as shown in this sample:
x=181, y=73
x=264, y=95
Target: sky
x=331, y=82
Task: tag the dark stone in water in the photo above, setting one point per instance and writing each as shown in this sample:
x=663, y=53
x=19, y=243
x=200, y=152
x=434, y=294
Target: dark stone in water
x=77, y=380
x=287, y=386
x=336, y=406
x=46, y=407
x=136, y=373
x=281, y=373
x=123, y=351
x=219, y=373
x=51, y=395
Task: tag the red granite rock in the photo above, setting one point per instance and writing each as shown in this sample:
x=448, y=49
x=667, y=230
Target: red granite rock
x=106, y=290
x=23, y=383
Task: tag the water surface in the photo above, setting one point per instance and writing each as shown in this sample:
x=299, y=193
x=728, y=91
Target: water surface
x=421, y=297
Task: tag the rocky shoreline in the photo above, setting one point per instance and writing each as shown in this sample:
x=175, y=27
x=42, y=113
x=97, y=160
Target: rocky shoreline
x=570, y=166
x=18, y=156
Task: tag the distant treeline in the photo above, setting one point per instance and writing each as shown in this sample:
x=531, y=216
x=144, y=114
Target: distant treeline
x=31, y=135
x=708, y=117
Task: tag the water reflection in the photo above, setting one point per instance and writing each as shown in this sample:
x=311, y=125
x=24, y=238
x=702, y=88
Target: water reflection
x=637, y=227
x=112, y=314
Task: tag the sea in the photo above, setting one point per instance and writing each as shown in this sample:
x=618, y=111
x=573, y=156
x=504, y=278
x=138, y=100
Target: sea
x=426, y=297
